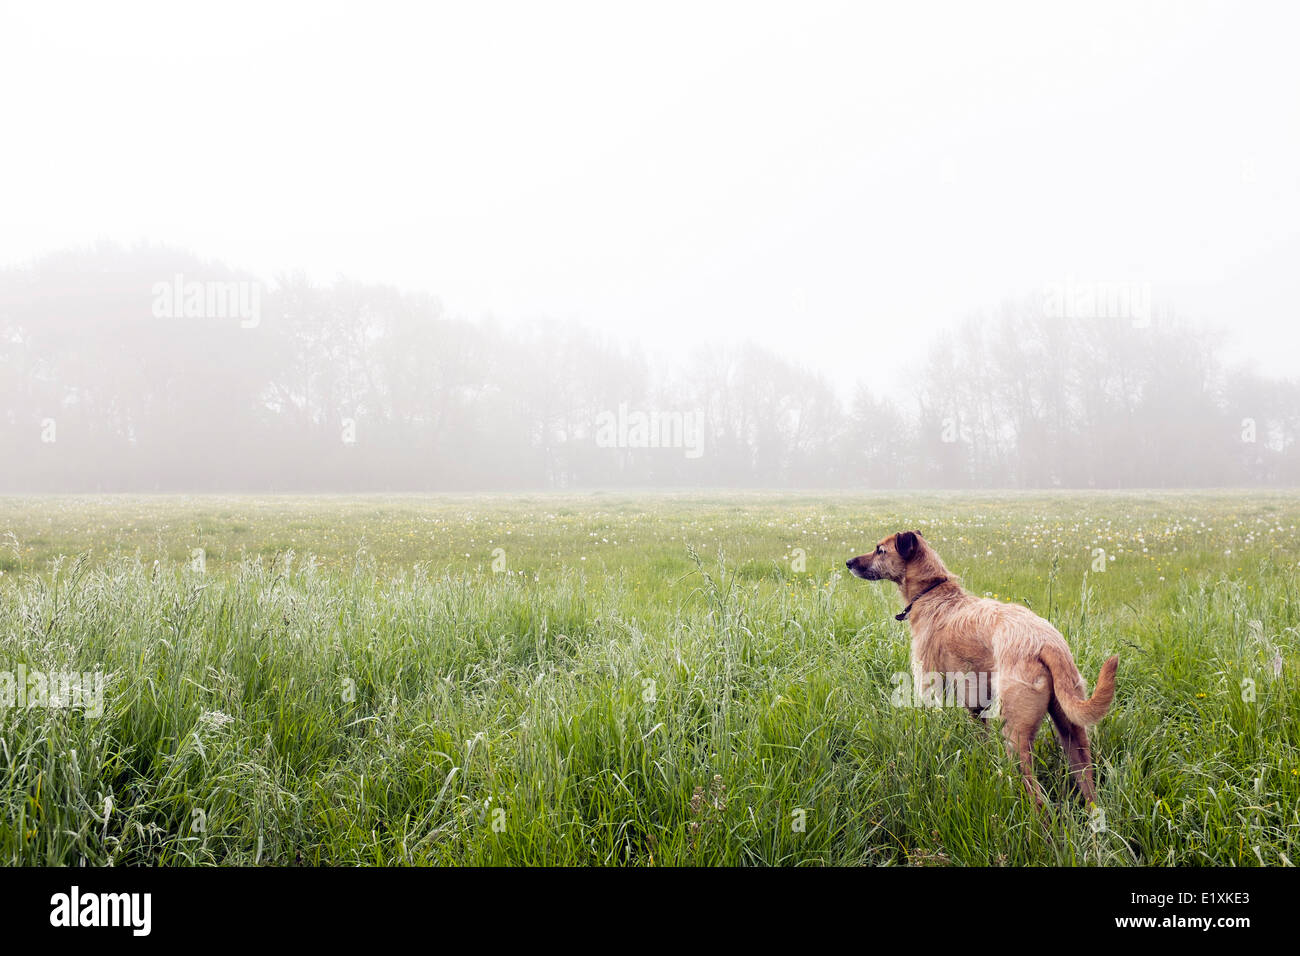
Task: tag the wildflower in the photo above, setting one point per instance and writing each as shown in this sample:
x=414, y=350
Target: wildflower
x=215, y=719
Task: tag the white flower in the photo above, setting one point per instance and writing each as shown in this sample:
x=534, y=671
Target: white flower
x=215, y=719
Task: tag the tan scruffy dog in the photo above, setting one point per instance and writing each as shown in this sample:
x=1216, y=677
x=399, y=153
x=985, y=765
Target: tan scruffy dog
x=1010, y=647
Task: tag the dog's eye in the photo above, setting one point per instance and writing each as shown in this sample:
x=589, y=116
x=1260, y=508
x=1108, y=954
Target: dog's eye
x=879, y=550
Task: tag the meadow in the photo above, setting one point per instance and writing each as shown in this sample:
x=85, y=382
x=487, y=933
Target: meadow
x=630, y=679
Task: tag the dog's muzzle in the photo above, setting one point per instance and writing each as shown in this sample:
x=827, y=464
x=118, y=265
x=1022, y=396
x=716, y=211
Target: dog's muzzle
x=858, y=571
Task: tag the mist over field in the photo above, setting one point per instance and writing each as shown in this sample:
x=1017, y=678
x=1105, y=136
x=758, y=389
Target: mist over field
x=846, y=247
x=113, y=379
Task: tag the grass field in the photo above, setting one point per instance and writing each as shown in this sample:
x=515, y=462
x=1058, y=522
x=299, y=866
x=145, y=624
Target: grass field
x=630, y=679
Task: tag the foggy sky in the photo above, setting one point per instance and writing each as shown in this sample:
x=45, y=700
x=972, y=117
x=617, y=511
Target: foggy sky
x=837, y=181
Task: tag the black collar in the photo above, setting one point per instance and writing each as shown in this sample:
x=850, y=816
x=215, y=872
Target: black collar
x=907, y=610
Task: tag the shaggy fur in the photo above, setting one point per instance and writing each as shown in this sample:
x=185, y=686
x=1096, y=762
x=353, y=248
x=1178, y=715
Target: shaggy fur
x=1024, y=657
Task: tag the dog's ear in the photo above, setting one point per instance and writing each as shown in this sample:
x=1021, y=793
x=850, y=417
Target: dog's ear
x=907, y=544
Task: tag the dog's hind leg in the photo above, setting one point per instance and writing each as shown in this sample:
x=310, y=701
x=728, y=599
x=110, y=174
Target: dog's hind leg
x=1074, y=741
x=1024, y=705
x=1020, y=746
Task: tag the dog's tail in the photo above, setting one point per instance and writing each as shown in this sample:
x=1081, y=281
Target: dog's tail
x=1069, y=685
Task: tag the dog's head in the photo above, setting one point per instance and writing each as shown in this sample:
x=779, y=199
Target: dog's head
x=890, y=559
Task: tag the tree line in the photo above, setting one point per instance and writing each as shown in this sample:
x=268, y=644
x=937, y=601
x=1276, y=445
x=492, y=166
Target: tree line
x=149, y=369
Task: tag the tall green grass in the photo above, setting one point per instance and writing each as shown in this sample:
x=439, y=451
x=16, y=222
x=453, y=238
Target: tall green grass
x=691, y=693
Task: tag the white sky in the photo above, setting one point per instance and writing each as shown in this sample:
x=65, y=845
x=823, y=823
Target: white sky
x=837, y=181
